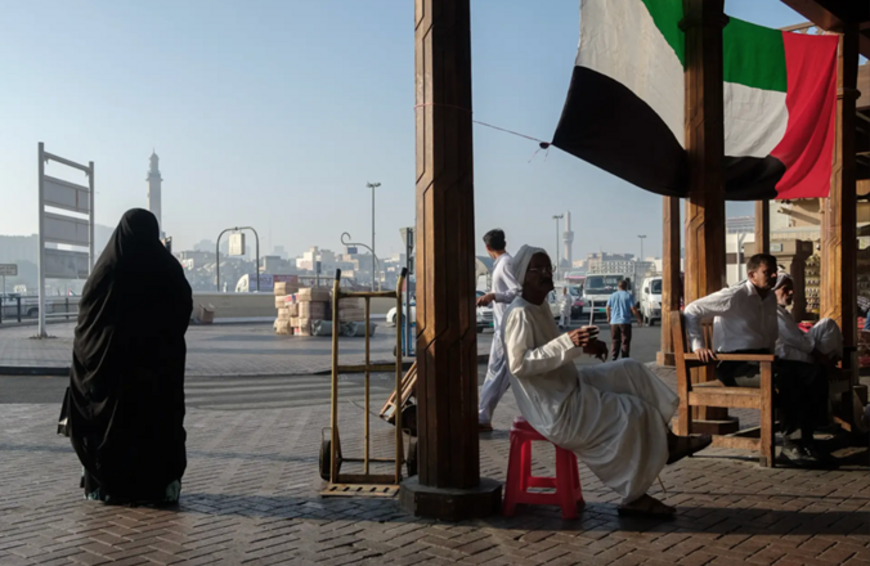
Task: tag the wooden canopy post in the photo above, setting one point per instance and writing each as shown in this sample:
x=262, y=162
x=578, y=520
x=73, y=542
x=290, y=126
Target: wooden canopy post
x=762, y=227
x=838, y=287
x=671, y=284
x=448, y=485
x=705, y=146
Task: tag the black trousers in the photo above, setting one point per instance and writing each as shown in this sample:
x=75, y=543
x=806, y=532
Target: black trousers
x=620, y=340
x=801, y=390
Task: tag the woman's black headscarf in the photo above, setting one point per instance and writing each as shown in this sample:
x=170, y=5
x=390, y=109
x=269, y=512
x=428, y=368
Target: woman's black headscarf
x=126, y=404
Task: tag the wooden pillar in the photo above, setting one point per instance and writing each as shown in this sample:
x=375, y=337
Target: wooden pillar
x=671, y=284
x=762, y=227
x=448, y=485
x=705, y=145
x=838, y=287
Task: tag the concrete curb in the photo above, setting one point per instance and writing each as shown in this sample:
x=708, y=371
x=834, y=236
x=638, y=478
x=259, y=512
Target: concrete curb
x=56, y=371
x=34, y=370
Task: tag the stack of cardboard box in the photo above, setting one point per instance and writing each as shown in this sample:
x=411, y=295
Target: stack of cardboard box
x=286, y=305
x=351, y=310
x=312, y=305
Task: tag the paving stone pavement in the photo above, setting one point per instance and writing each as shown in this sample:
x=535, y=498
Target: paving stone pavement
x=251, y=497
x=217, y=350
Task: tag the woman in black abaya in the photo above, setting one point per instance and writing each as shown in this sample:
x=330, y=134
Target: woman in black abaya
x=125, y=404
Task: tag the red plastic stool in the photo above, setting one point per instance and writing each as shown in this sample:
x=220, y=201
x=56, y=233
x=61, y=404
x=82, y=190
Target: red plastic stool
x=519, y=477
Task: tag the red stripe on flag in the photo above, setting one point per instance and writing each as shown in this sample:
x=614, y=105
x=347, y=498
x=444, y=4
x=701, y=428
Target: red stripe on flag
x=807, y=147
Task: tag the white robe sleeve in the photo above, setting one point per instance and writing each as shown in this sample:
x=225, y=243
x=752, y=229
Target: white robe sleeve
x=527, y=361
x=790, y=334
x=703, y=309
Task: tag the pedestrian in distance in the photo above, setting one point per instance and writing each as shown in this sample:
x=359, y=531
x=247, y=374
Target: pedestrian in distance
x=620, y=308
x=566, y=304
x=124, y=408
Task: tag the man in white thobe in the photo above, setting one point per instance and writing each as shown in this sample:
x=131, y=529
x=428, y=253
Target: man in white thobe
x=614, y=416
x=566, y=305
x=504, y=290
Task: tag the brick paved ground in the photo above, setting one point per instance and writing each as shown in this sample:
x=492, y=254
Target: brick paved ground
x=217, y=350
x=250, y=497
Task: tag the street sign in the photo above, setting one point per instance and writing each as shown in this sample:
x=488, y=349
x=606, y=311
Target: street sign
x=8, y=270
x=352, y=250
x=64, y=264
x=237, y=244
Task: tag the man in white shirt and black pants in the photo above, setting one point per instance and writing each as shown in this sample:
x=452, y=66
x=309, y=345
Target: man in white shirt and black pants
x=745, y=322
x=504, y=289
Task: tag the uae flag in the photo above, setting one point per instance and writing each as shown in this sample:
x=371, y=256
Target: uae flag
x=625, y=107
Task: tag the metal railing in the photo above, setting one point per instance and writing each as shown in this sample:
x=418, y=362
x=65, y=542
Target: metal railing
x=26, y=309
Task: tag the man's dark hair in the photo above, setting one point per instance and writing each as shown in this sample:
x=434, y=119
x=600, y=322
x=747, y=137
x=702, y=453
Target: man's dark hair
x=623, y=284
x=755, y=262
x=494, y=240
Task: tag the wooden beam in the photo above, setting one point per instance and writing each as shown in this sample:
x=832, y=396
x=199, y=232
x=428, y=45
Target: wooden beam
x=705, y=142
x=839, y=244
x=671, y=284
x=762, y=227
x=833, y=15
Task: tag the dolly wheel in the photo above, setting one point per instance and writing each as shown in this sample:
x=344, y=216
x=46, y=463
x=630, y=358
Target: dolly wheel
x=326, y=459
x=409, y=419
x=411, y=462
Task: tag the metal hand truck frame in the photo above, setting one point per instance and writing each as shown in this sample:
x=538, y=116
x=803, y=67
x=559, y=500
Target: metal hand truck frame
x=365, y=484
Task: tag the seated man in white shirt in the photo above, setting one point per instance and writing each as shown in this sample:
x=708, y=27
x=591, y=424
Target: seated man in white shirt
x=745, y=321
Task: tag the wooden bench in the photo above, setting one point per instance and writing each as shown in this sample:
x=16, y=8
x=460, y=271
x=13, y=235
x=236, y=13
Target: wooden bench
x=714, y=394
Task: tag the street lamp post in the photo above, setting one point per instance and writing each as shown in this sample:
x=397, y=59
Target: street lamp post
x=557, y=217
x=641, y=237
x=346, y=241
x=373, y=186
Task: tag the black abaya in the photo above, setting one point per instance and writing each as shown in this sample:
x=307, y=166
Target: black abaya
x=126, y=404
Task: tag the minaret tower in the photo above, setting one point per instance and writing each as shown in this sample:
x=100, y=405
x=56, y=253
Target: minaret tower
x=568, y=238
x=154, y=184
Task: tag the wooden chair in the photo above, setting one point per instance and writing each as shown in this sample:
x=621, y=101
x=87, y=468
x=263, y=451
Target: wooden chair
x=714, y=394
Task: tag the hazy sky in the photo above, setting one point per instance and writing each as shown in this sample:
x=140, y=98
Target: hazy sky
x=275, y=113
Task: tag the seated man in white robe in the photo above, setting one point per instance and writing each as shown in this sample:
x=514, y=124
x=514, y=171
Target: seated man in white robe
x=803, y=359
x=614, y=416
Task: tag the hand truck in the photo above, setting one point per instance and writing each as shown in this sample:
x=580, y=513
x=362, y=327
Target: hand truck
x=365, y=484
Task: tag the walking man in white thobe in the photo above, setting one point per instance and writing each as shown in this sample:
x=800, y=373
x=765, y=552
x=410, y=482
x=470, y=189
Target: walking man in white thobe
x=566, y=305
x=504, y=289
x=614, y=416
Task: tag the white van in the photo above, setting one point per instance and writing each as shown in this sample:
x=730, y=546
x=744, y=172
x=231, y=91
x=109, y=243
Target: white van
x=597, y=291
x=650, y=303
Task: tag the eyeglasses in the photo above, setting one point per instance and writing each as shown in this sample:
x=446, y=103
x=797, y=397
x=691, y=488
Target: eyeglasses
x=543, y=270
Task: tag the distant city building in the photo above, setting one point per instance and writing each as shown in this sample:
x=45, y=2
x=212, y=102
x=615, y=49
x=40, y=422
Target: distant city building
x=155, y=182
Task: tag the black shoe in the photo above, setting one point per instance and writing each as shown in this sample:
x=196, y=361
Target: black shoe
x=825, y=459
x=795, y=456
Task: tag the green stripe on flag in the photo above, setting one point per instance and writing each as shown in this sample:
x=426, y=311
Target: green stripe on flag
x=754, y=56
x=666, y=15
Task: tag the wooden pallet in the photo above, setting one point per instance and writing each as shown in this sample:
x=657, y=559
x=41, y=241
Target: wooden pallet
x=409, y=385
x=358, y=490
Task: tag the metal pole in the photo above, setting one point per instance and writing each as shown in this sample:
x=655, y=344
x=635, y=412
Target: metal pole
x=373, y=186
x=91, y=257
x=373, y=240
x=41, y=243
x=257, y=240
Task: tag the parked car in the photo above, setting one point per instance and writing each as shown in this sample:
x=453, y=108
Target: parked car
x=29, y=306
x=484, y=315
x=650, y=303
